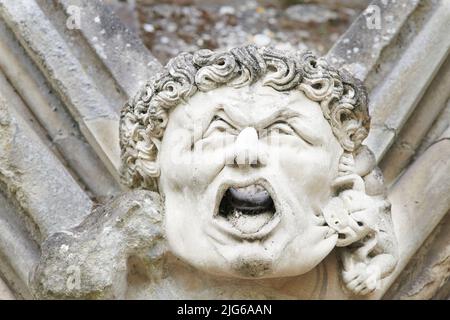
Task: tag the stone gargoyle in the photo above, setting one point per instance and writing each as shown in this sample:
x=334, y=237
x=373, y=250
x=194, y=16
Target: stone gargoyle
x=247, y=166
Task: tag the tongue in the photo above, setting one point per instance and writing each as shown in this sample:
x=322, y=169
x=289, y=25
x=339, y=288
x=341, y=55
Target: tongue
x=247, y=209
x=249, y=223
x=253, y=197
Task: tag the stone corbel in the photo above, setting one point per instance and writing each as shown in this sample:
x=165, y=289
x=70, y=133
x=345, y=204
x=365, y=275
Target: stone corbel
x=91, y=260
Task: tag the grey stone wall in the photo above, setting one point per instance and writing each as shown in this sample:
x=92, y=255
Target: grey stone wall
x=61, y=89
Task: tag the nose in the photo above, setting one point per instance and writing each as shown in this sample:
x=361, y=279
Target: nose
x=245, y=149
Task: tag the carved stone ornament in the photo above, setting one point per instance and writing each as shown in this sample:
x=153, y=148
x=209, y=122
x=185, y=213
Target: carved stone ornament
x=250, y=169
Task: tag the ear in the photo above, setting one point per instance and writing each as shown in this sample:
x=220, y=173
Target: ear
x=145, y=174
x=347, y=127
x=146, y=168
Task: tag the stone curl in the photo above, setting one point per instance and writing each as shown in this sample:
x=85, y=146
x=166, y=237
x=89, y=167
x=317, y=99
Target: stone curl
x=342, y=98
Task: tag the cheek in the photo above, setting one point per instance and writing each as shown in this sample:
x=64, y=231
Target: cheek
x=186, y=165
x=174, y=158
x=310, y=172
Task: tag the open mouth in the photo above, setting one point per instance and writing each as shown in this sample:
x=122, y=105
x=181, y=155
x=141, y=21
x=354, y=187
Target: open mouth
x=247, y=209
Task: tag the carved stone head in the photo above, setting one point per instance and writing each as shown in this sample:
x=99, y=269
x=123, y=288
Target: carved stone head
x=257, y=156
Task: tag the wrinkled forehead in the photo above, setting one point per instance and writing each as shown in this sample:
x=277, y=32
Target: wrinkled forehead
x=250, y=104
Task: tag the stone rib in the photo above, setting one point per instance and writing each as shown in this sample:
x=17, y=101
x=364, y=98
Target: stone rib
x=359, y=49
x=417, y=126
x=397, y=96
x=97, y=119
x=65, y=138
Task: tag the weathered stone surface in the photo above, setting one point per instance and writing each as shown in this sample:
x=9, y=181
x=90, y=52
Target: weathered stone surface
x=59, y=131
x=121, y=51
x=34, y=178
x=387, y=60
x=91, y=261
x=5, y=293
x=407, y=82
x=308, y=13
x=427, y=274
x=171, y=27
x=420, y=199
x=243, y=222
x=92, y=69
x=126, y=12
x=72, y=66
x=18, y=252
x=91, y=109
x=420, y=122
x=396, y=50
x=441, y=124
x=360, y=48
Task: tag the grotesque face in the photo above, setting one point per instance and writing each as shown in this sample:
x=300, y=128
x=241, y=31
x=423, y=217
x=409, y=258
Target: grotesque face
x=258, y=156
x=244, y=173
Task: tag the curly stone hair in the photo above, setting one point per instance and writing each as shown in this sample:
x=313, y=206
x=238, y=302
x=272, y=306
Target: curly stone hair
x=342, y=98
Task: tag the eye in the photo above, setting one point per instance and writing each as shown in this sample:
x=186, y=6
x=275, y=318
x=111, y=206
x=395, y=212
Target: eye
x=220, y=125
x=291, y=128
x=279, y=127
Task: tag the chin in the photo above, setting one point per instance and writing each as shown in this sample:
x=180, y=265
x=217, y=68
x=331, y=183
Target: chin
x=252, y=266
x=248, y=260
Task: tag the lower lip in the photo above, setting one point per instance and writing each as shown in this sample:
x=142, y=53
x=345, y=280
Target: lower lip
x=227, y=228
